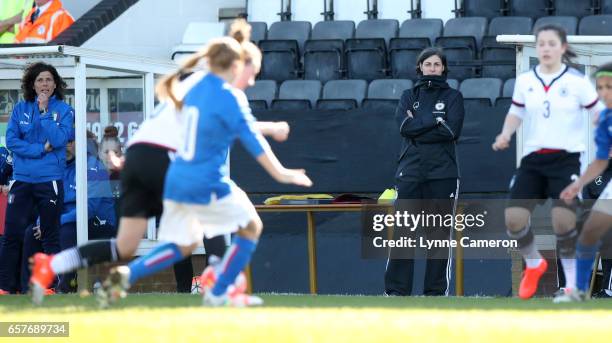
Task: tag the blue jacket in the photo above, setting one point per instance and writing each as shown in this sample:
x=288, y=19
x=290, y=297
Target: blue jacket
x=100, y=201
x=26, y=134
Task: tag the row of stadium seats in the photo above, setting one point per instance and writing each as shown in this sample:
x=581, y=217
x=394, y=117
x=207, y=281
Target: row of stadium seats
x=534, y=8
x=350, y=94
x=382, y=48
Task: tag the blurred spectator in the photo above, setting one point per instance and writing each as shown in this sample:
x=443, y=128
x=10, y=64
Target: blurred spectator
x=36, y=134
x=44, y=22
x=100, y=213
x=109, y=147
x=12, y=13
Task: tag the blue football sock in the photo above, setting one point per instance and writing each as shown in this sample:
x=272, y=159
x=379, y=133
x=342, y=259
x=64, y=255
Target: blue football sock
x=585, y=256
x=160, y=258
x=236, y=258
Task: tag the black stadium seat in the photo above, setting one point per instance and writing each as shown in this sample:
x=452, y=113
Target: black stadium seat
x=366, y=54
x=324, y=59
x=498, y=60
x=508, y=89
x=596, y=25
x=489, y=88
x=577, y=8
x=389, y=89
x=308, y=90
x=422, y=28
x=482, y=8
x=288, y=105
x=569, y=24
x=510, y=26
x=259, y=31
x=262, y=90
x=344, y=91
x=282, y=50
x=530, y=8
x=257, y=105
x=403, y=53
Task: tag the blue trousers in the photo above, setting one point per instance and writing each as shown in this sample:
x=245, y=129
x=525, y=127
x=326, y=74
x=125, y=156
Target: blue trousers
x=25, y=202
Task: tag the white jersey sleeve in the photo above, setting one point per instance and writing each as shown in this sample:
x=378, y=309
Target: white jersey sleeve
x=518, y=98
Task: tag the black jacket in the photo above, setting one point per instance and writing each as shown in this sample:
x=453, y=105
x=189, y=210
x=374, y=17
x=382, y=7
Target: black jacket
x=428, y=147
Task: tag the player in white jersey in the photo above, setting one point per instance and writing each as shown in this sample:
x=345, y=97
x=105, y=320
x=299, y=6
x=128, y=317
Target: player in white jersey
x=551, y=98
x=142, y=178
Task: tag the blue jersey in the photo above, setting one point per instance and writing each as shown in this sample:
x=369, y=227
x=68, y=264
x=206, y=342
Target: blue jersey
x=214, y=115
x=603, y=135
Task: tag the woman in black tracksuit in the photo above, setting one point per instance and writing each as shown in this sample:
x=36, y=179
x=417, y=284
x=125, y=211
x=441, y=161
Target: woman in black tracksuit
x=430, y=118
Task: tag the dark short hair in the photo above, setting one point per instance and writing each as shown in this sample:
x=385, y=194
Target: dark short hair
x=427, y=53
x=606, y=68
x=29, y=77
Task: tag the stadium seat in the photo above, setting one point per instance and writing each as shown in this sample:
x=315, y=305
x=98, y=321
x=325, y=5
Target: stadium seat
x=488, y=88
x=335, y=29
x=510, y=26
x=257, y=105
x=508, y=89
x=380, y=105
x=422, y=28
x=300, y=90
x=324, y=59
x=453, y=83
x=290, y=30
x=481, y=8
x=336, y=104
x=403, y=53
x=262, y=90
x=388, y=88
x=366, y=58
x=377, y=28
x=366, y=54
x=529, y=8
x=570, y=24
x=577, y=8
x=466, y=27
x=298, y=104
x=606, y=6
x=281, y=60
x=596, y=25
x=259, y=31
x=498, y=60
x=345, y=89
x=503, y=102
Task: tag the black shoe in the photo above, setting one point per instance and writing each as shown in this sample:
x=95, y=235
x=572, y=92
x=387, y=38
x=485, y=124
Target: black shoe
x=602, y=294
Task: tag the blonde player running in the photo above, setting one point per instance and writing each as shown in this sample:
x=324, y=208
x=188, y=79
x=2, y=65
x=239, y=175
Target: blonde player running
x=552, y=96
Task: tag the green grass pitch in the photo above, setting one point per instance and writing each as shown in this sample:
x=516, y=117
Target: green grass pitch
x=305, y=318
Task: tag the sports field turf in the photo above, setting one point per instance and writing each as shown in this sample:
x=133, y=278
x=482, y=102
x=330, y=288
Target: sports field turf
x=288, y=318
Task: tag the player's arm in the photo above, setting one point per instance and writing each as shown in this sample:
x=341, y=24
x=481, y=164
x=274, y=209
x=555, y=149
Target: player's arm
x=511, y=124
x=412, y=125
x=449, y=125
x=242, y=121
x=604, y=142
x=278, y=130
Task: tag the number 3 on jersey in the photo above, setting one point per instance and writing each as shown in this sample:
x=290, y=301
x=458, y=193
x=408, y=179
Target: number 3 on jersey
x=190, y=130
x=546, y=109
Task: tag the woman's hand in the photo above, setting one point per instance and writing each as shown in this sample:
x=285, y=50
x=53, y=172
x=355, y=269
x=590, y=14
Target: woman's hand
x=570, y=192
x=280, y=131
x=43, y=101
x=294, y=176
x=502, y=142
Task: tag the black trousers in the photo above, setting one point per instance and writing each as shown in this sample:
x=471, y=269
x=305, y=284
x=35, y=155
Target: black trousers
x=24, y=200
x=399, y=272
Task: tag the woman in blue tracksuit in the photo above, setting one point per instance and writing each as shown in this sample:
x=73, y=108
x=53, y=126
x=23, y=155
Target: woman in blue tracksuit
x=100, y=213
x=37, y=133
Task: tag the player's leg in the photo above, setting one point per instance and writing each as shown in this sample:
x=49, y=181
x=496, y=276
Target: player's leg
x=526, y=189
x=399, y=270
x=599, y=222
